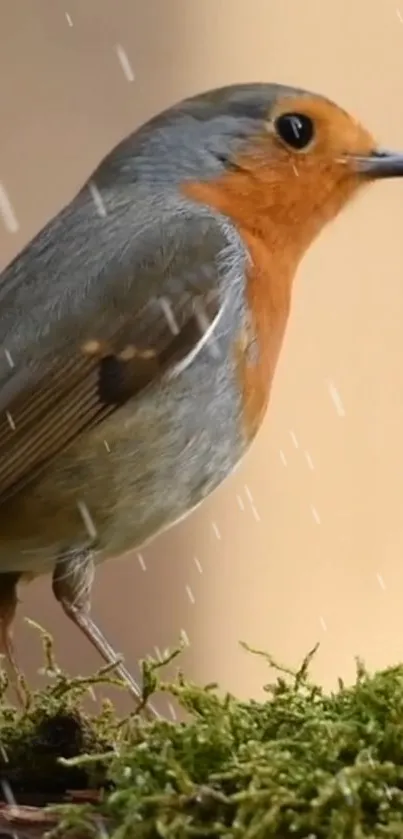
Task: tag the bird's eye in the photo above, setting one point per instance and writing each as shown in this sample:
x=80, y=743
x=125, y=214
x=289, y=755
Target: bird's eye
x=296, y=130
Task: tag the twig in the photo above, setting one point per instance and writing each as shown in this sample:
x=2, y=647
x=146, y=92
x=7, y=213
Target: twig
x=23, y=822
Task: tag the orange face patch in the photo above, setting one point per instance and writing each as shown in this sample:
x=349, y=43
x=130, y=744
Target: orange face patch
x=337, y=133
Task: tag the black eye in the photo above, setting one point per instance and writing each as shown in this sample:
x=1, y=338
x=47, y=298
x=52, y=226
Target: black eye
x=296, y=130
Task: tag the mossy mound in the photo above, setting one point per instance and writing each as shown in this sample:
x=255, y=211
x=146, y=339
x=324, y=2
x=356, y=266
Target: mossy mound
x=303, y=764
x=53, y=727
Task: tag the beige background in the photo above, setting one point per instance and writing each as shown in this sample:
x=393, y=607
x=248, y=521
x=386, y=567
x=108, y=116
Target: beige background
x=305, y=542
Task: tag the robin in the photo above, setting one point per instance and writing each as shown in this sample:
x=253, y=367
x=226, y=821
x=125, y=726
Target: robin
x=141, y=328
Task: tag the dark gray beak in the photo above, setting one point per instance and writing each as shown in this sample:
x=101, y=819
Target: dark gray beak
x=380, y=164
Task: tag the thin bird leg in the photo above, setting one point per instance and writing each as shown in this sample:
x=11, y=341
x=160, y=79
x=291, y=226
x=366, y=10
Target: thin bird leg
x=73, y=576
x=8, y=606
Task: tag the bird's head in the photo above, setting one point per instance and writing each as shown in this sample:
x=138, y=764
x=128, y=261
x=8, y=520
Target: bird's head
x=290, y=160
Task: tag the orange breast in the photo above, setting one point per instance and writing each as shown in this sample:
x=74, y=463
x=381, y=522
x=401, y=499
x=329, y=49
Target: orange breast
x=257, y=352
x=268, y=282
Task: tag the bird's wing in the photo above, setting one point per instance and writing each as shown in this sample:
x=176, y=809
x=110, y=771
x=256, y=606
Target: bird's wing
x=88, y=321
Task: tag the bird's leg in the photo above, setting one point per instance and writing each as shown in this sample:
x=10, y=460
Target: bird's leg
x=73, y=576
x=8, y=606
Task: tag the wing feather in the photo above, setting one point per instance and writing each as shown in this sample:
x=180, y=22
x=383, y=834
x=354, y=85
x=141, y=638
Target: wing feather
x=76, y=360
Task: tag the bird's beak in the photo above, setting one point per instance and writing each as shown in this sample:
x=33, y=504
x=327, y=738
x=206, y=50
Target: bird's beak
x=380, y=164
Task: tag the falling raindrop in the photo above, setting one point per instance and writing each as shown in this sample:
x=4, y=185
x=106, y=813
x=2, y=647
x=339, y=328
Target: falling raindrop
x=252, y=502
x=216, y=530
x=97, y=199
x=10, y=420
x=7, y=212
x=87, y=520
x=141, y=562
x=294, y=439
x=9, y=359
x=315, y=514
x=336, y=398
x=169, y=315
x=309, y=461
x=185, y=637
x=125, y=63
x=198, y=564
x=190, y=595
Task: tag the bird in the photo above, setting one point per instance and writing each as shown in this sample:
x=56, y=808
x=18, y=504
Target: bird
x=142, y=326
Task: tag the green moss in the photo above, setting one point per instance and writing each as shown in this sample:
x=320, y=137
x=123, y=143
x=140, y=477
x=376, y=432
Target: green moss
x=54, y=725
x=301, y=764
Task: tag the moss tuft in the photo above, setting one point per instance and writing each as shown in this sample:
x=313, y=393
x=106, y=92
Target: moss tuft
x=302, y=764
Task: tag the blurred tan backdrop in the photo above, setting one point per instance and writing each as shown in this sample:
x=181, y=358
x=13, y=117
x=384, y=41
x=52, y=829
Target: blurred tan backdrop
x=305, y=542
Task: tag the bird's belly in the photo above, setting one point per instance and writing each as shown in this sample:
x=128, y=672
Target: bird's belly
x=144, y=469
